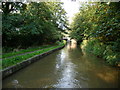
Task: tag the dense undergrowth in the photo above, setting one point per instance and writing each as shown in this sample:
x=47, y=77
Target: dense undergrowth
x=101, y=50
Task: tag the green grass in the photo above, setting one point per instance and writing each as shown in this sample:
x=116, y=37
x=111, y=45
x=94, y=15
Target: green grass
x=17, y=59
x=24, y=51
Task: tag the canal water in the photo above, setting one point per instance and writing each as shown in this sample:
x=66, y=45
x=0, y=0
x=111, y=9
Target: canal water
x=66, y=68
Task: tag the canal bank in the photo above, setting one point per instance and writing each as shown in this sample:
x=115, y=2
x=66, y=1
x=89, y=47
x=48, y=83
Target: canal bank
x=65, y=68
x=12, y=69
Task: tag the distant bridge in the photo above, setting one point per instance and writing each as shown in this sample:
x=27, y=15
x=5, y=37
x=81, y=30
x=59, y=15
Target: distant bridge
x=66, y=38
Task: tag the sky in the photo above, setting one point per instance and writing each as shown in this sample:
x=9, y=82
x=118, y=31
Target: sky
x=71, y=7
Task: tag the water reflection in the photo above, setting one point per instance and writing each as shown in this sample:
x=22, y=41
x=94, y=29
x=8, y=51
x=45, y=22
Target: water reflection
x=16, y=84
x=66, y=68
x=60, y=59
x=108, y=77
x=67, y=79
x=71, y=45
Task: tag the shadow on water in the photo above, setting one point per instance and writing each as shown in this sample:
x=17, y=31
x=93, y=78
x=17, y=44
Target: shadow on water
x=66, y=68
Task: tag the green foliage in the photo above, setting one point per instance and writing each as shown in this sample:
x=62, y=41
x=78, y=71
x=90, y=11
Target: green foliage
x=99, y=23
x=58, y=43
x=86, y=45
x=63, y=42
x=33, y=23
x=98, y=49
x=94, y=46
x=101, y=50
x=111, y=56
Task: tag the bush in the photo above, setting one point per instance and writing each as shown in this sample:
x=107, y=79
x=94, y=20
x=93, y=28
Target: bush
x=111, y=56
x=99, y=49
x=64, y=42
x=61, y=42
x=58, y=43
x=86, y=45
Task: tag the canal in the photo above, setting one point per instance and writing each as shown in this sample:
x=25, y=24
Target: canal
x=66, y=68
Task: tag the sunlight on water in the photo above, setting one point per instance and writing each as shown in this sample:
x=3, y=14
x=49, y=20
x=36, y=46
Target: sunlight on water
x=68, y=73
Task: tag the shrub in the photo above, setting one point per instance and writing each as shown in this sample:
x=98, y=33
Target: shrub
x=111, y=56
x=107, y=52
x=99, y=49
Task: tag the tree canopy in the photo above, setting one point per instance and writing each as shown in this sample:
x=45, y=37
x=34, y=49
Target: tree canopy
x=26, y=24
x=99, y=22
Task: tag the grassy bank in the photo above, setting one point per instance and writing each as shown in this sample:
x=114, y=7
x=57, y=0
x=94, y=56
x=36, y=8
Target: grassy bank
x=109, y=52
x=24, y=51
x=6, y=62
